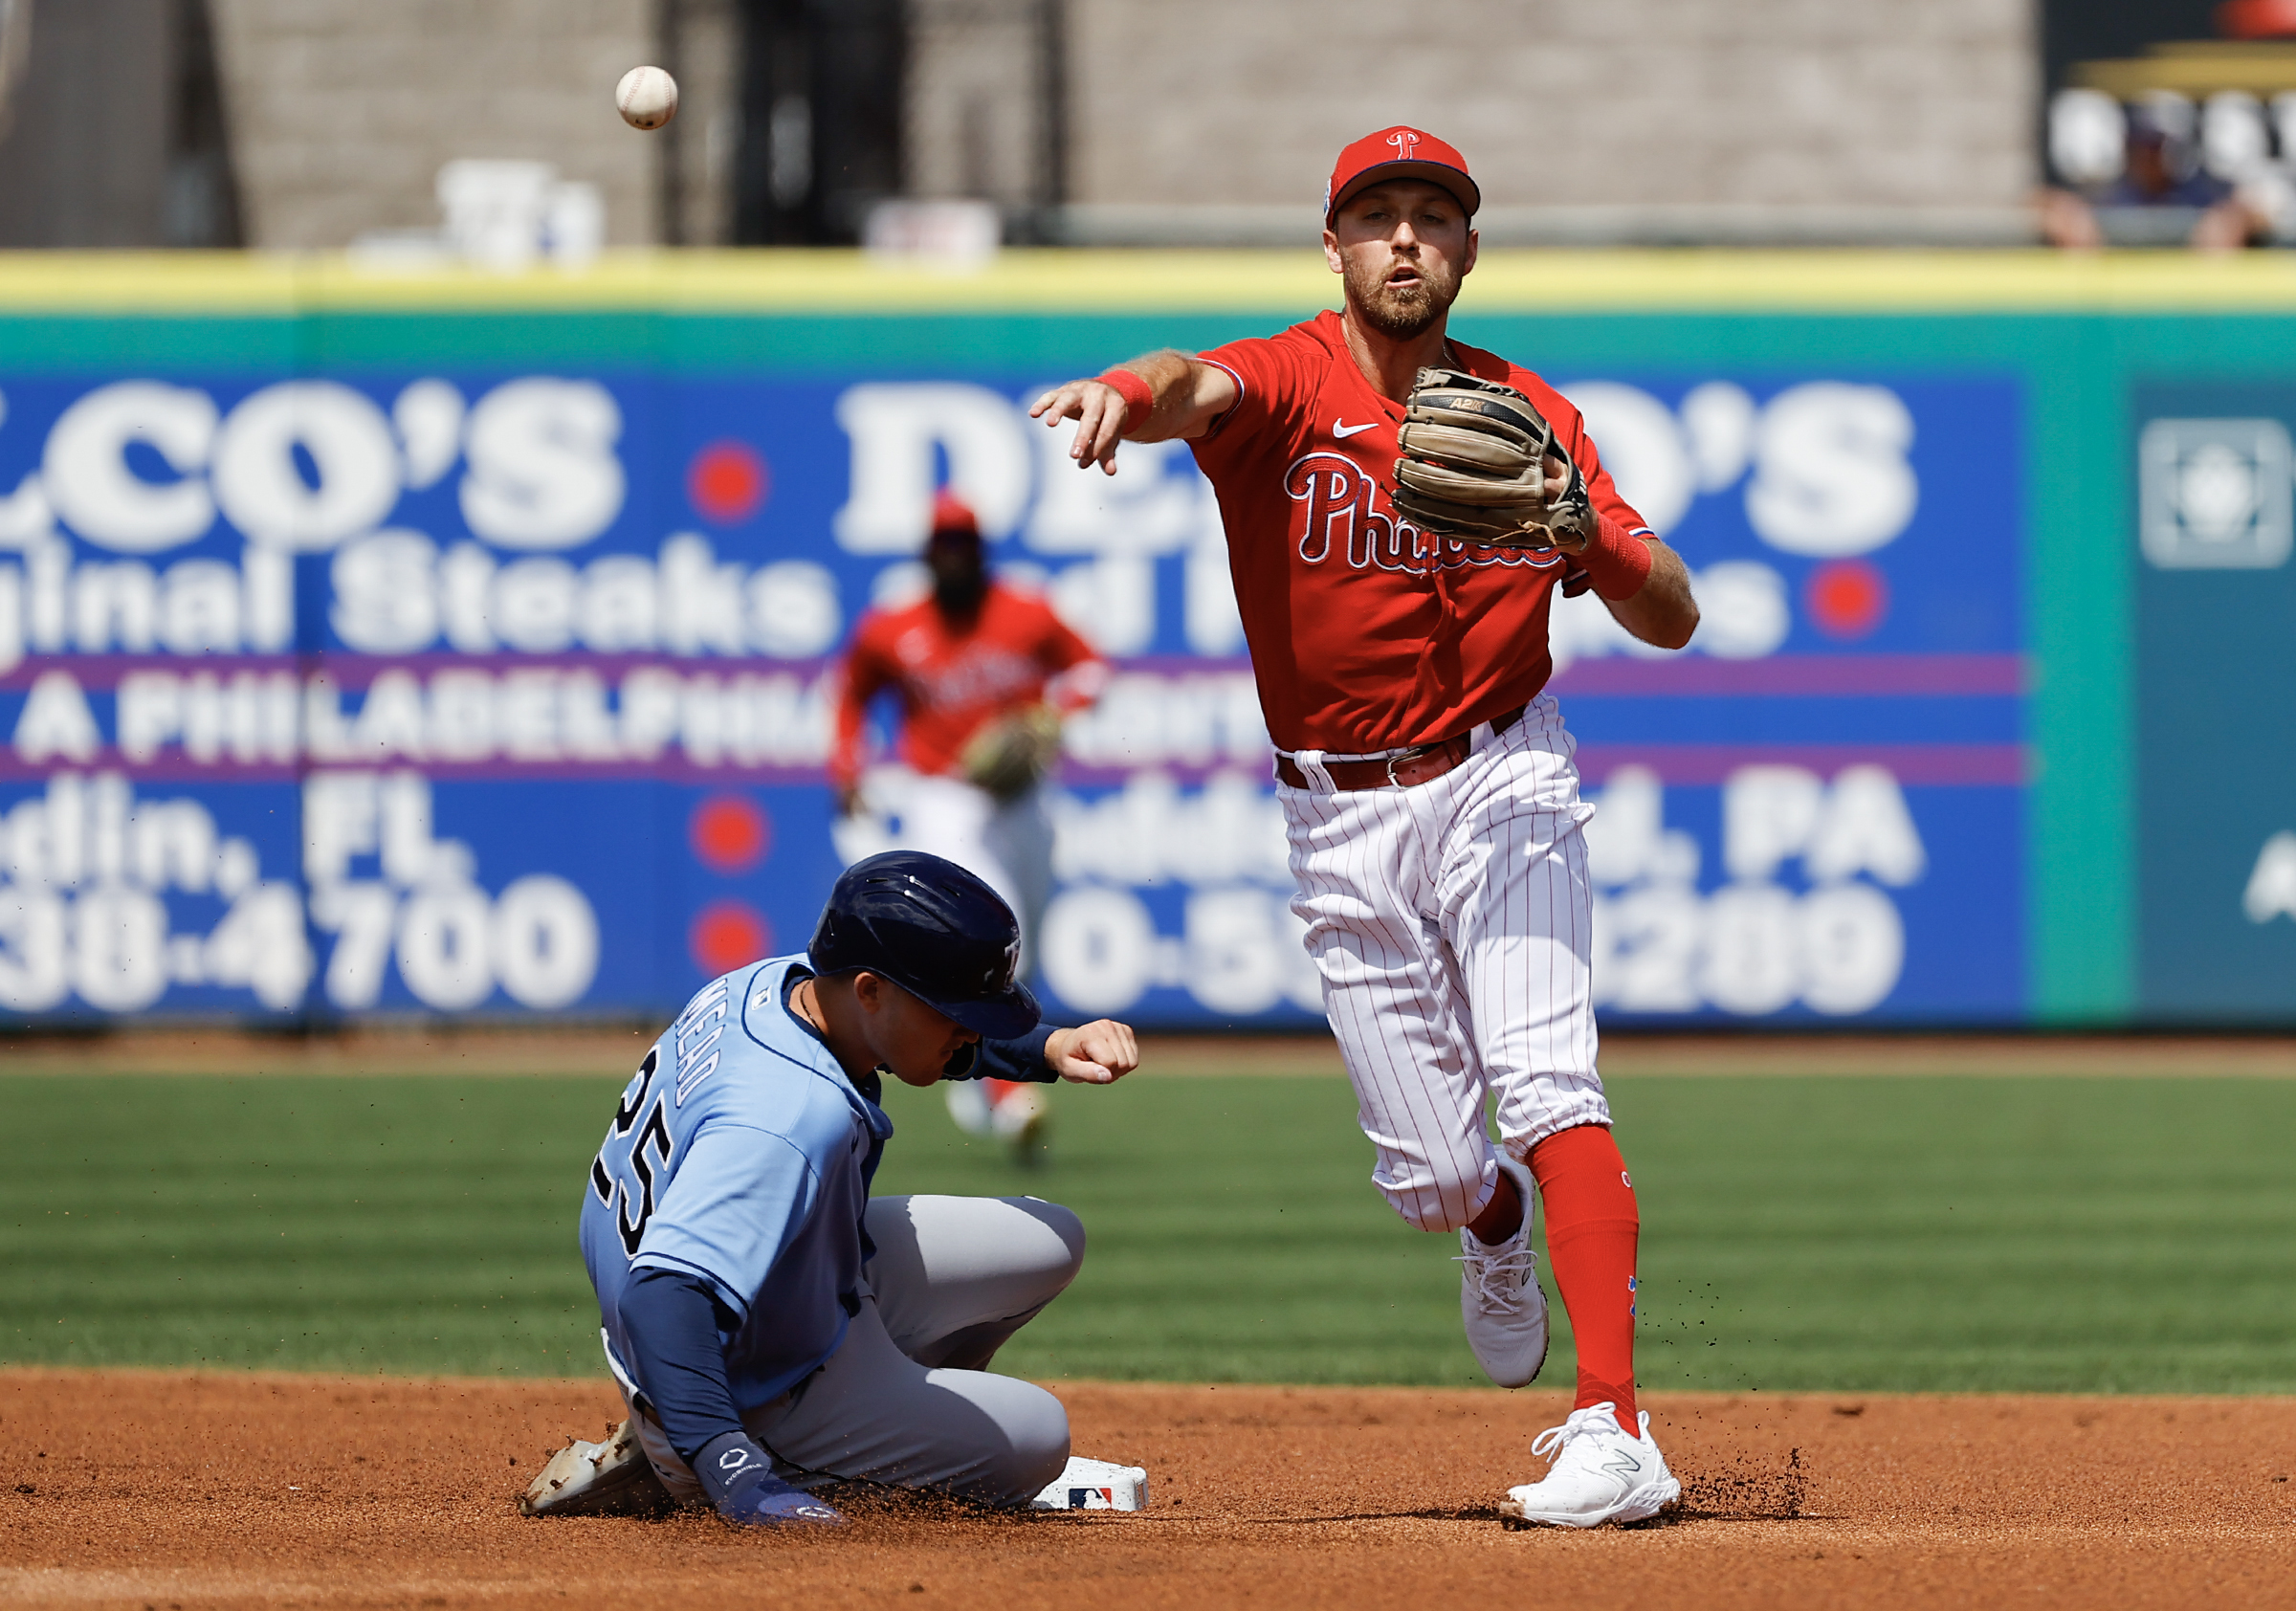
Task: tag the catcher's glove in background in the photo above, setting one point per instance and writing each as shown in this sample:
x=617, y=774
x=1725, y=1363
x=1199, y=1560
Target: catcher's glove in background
x=1008, y=756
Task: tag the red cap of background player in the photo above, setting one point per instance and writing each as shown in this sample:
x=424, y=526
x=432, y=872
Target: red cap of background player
x=1399, y=153
x=952, y=513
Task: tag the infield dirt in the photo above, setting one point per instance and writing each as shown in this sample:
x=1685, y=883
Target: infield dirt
x=171, y=1492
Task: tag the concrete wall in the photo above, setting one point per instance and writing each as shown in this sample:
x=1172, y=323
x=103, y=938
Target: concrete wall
x=341, y=111
x=1688, y=108
x=1200, y=120
x=84, y=151
x=975, y=106
x=701, y=47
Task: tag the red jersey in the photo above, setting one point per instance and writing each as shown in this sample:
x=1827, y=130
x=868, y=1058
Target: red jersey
x=1367, y=634
x=953, y=680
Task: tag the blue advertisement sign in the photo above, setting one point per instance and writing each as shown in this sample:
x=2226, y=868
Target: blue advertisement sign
x=508, y=692
x=1815, y=811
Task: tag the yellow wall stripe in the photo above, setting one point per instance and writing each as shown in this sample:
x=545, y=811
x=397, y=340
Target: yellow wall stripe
x=1055, y=281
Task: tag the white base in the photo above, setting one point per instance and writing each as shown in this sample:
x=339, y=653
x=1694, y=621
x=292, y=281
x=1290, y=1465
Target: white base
x=1094, y=1485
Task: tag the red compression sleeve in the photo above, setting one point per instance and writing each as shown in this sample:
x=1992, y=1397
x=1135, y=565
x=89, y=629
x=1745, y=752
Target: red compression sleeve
x=1139, y=399
x=1617, y=561
x=1592, y=1230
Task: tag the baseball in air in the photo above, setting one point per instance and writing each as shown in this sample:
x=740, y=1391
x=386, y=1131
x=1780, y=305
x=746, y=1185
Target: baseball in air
x=647, y=98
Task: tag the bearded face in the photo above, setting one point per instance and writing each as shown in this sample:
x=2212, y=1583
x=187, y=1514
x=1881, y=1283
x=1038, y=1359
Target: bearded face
x=1401, y=250
x=1404, y=308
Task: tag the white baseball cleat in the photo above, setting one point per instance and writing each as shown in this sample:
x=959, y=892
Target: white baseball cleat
x=1600, y=1474
x=1500, y=1303
x=586, y=1479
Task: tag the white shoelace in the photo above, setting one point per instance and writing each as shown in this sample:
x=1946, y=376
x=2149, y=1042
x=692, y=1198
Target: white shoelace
x=1581, y=1424
x=1501, y=1275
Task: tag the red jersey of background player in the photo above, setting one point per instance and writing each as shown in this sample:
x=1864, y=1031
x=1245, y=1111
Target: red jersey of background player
x=958, y=659
x=1367, y=634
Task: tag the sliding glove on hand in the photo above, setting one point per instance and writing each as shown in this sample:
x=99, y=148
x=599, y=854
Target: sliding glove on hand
x=741, y=1484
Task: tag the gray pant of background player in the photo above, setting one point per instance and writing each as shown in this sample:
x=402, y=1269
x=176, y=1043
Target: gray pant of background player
x=906, y=1399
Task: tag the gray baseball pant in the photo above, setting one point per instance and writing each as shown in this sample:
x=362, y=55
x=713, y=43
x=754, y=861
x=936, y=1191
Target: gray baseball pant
x=907, y=1400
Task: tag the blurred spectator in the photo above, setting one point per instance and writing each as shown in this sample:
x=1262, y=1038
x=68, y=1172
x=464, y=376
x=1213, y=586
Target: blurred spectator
x=2161, y=191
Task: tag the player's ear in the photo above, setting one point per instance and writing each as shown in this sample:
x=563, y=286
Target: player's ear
x=869, y=990
x=1331, y=251
x=1475, y=242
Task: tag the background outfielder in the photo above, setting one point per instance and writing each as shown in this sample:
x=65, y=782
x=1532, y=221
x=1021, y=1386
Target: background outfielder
x=982, y=674
x=1396, y=537
x=771, y=1326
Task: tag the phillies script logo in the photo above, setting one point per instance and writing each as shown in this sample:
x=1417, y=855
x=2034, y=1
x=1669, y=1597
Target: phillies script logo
x=1341, y=512
x=977, y=674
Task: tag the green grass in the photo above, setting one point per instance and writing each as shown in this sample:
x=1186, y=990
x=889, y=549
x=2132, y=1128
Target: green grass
x=418, y=1223
x=1919, y=1232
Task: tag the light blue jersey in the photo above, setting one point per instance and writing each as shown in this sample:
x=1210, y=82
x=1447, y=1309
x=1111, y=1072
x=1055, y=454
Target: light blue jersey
x=740, y=1154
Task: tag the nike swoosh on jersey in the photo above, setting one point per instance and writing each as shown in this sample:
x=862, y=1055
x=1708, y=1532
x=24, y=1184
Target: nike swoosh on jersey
x=1343, y=431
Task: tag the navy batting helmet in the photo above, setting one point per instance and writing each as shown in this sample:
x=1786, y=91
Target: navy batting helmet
x=935, y=930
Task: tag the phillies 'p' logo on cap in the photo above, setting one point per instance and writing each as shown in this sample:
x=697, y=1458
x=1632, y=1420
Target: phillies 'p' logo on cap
x=1400, y=152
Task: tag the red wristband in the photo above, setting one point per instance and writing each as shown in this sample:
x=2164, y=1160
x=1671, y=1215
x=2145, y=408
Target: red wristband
x=1139, y=399
x=1617, y=561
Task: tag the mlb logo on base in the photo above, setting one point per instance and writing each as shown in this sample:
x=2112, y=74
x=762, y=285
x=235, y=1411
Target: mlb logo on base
x=1096, y=1485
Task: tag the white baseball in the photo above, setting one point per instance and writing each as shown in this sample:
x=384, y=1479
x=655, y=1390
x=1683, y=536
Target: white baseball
x=647, y=98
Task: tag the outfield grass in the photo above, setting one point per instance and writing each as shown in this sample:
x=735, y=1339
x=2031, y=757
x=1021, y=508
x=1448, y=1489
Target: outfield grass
x=2119, y=1234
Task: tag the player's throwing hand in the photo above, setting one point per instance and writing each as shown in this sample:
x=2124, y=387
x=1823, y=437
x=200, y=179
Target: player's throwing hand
x=1101, y=411
x=1158, y=398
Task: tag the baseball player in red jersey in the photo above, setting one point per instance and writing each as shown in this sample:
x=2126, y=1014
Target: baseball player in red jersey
x=1427, y=782
x=982, y=673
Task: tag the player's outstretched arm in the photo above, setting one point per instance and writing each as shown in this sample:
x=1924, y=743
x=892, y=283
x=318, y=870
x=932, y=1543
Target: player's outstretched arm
x=672, y=1323
x=1183, y=397
x=1662, y=611
x=1100, y=1052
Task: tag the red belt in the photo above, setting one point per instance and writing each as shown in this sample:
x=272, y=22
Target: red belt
x=1421, y=764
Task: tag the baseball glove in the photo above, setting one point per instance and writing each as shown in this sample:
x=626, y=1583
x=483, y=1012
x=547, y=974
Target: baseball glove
x=1008, y=756
x=1473, y=466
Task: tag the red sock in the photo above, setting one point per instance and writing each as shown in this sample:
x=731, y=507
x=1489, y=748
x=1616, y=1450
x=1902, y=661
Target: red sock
x=1592, y=1228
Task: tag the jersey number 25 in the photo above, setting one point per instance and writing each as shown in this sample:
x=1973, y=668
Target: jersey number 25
x=652, y=1134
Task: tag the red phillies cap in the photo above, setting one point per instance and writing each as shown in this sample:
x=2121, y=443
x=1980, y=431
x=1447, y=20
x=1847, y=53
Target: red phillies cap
x=952, y=513
x=1399, y=153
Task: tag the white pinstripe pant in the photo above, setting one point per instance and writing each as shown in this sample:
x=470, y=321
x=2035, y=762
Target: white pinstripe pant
x=1451, y=924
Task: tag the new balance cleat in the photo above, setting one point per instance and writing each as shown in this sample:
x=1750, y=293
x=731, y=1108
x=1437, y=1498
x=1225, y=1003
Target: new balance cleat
x=1600, y=1474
